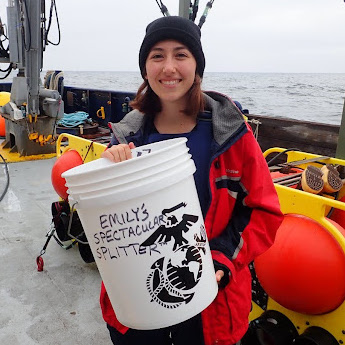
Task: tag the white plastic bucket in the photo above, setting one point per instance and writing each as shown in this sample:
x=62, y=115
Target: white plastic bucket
x=131, y=177
x=149, y=243
x=143, y=157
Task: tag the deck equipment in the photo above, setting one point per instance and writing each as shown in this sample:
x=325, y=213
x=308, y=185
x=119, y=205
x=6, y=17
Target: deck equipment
x=300, y=292
x=33, y=110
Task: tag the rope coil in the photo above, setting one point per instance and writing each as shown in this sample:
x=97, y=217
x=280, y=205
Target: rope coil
x=74, y=119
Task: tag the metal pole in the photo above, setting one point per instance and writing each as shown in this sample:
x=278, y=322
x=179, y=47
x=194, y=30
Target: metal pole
x=340, y=153
x=184, y=8
x=33, y=55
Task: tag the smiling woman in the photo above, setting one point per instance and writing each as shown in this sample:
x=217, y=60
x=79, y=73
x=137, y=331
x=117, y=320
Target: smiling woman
x=237, y=198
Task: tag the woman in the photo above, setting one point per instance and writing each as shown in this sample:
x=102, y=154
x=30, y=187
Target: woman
x=237, y=197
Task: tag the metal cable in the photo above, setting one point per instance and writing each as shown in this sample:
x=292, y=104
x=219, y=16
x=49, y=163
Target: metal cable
x=205, y=14
x=28, y=25
x=163, y=8
x=53, y=7
x=7, y=179
x=195, y=9
x=8, y=70
x=270, y=162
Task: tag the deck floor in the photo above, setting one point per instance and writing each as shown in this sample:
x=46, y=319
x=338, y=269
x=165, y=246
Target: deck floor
x=59, y=305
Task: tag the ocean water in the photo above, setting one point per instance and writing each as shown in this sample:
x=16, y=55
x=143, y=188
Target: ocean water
x=304, y=96
x=311, y=97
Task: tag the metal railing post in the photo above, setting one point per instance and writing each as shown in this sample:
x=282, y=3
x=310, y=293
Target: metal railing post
x=340, y=153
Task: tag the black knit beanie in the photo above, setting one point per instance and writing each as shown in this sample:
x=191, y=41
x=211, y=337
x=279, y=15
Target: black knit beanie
x=176, y=28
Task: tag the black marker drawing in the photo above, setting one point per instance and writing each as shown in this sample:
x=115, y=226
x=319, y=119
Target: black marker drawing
x=172, y=228
x=140, y=153
x=173, y=277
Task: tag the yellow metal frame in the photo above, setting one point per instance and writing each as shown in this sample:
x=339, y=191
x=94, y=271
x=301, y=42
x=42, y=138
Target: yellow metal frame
x=315, y=207
x=87, y=149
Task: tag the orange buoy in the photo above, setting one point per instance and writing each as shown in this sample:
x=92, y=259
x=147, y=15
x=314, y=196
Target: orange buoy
x=66, y=161
x=304, y=270
x=2, y=127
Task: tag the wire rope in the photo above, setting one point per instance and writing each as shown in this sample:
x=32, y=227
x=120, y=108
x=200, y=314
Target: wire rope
x=27, y=47
x=205, y=13
x=53, y=8
x=163, y=8
x=195, y=9
x=9, y=70
x=7, y=179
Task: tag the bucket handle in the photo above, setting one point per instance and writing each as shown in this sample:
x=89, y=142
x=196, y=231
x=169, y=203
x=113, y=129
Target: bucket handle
x=70, y=225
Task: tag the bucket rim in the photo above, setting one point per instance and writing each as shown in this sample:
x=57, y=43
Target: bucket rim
x=135, y=177
x=79, y=180
x=187, y=170
x=175, y=142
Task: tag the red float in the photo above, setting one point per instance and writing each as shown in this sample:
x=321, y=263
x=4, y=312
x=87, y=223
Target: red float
x=66, y=161
x=304, y=270
x=2, y=127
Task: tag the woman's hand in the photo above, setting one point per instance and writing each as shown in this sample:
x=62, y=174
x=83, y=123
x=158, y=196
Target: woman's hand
x=219, y=275
x=119, y=153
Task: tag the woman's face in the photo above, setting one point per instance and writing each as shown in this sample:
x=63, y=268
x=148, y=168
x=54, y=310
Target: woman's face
x=170, y=71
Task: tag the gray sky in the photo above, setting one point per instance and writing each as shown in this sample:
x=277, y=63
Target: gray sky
x=238, y=36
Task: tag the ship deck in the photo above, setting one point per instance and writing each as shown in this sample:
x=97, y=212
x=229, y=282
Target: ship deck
x=59, y=305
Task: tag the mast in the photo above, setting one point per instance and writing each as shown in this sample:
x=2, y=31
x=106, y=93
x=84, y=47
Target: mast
x=184, y=8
